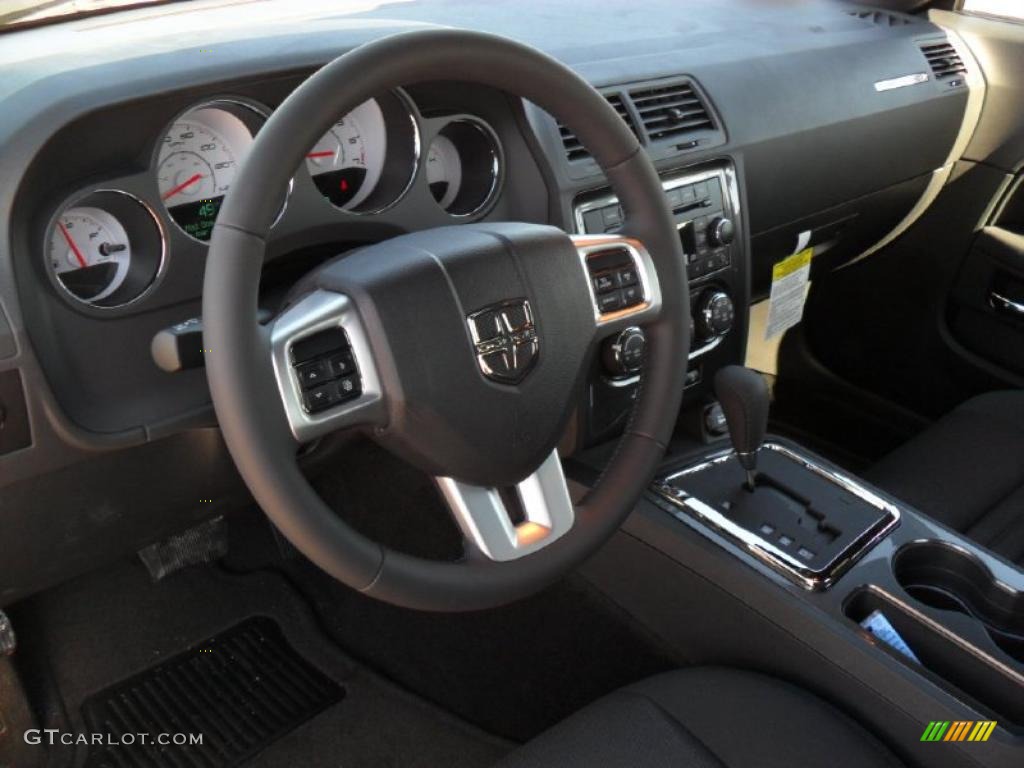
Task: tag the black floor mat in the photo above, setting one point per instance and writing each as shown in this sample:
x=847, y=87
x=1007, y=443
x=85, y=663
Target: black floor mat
x=240, y=690
x=88, y=635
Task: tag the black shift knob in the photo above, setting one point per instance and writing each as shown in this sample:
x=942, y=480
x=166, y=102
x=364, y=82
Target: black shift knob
x=743, y=394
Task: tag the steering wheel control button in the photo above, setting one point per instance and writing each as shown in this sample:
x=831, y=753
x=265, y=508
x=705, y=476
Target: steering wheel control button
x=313, y=374
x=348, y=388
x=341, y=364
x=505, y=339
x=627, y=276
x=604, y=283
x=615, y=277
x=326, y=370
x=609, y=302
x=320, y=398
x=631, y=296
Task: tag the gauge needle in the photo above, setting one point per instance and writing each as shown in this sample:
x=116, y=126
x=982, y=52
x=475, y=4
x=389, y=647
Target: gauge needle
x=186, y=183
x=328, y=153
x=71, y=244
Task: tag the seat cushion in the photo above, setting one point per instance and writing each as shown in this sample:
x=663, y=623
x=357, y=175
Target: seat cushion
x=967, y=472
x=705, y=717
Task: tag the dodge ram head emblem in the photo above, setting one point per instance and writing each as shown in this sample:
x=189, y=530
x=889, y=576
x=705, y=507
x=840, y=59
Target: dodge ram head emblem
x=505, y=339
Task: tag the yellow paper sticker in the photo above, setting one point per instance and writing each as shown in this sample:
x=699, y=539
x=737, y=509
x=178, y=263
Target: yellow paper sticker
x=791, y=264
x=790, y=278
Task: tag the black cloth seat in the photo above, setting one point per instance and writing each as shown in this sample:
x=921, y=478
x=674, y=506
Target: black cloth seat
x=703, y=717
x=967, y=472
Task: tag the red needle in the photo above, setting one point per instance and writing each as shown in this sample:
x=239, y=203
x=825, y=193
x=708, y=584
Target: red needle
x=328, y=153
x=186, y=183
x=71, y=243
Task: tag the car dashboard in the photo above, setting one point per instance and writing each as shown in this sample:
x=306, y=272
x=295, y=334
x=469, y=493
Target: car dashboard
x=773, y=126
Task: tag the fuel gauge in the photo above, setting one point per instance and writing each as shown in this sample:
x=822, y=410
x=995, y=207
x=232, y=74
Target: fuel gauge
x=104, y=249
x=89, y=253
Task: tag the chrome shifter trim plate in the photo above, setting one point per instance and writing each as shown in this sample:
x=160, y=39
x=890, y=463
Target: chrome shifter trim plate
x=689, y=508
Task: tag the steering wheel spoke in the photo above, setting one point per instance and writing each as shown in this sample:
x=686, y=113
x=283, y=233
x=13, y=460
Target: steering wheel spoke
x=622, y=278
x=324, y=367
x=506, y=524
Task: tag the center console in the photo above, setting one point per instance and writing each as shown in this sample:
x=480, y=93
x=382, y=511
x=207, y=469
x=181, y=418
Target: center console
x=939, y=608
x=897, y=586
x=762, y=554
x=705, y=205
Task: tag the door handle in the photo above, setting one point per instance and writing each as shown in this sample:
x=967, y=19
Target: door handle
x=1001, y=303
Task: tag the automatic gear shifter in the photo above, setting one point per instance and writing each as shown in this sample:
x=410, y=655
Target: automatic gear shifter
x=743, y=394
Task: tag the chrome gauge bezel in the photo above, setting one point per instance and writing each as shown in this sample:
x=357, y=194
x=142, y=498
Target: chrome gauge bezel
x=78, y=302
x=497, y=164
x=262, y=111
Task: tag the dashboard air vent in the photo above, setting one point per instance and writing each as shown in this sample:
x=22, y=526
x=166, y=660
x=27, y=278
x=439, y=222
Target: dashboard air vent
x=881, y=18
x=943, y=59
x=670, y=111
x=574, y=150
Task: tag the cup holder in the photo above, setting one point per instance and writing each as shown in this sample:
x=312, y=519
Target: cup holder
x=948, y=578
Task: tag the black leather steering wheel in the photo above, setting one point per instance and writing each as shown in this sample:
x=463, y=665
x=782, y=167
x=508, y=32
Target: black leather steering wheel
x=471, y=342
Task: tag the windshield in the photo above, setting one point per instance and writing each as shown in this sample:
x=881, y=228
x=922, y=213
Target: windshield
x=18, y=13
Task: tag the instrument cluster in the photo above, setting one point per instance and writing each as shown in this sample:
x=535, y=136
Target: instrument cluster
x=107, y=248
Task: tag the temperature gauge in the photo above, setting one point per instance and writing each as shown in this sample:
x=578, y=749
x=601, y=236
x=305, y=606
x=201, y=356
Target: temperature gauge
x=464, y=166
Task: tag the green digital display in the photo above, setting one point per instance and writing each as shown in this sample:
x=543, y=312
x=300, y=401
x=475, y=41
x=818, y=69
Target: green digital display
x=198, y=218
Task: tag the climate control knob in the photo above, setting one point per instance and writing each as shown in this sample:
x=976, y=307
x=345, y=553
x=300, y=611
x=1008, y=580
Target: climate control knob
x=721, y=232
x=623, y=355
x=715, y=314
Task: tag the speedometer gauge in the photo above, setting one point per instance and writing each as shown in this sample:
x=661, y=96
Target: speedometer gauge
x=199, y=158
x=347, y=162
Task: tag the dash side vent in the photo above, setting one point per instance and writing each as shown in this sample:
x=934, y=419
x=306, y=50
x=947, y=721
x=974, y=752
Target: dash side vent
x=671, y=111
x=943, y=59
x=574, y=149
x=881, y=18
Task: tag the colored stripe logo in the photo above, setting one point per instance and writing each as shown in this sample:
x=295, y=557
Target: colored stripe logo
x=958, y=730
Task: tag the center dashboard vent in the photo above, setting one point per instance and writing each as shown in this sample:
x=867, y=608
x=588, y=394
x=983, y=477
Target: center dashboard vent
x=943, y=59
x=574, y=149
x=671, y=111
x=657, y=113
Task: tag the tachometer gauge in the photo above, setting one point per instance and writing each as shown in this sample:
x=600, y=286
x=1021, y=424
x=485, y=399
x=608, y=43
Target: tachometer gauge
x=89, y=253
x=347, y=162
x=104, y=249
x=464, y=166
x=199, y=157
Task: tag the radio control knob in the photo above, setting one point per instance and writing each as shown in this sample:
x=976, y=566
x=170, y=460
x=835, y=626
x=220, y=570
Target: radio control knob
x=721, y=231
x=715, y=315
x=623, y=355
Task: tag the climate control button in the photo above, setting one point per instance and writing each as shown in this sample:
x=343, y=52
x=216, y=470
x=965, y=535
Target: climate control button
x=715, y=314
